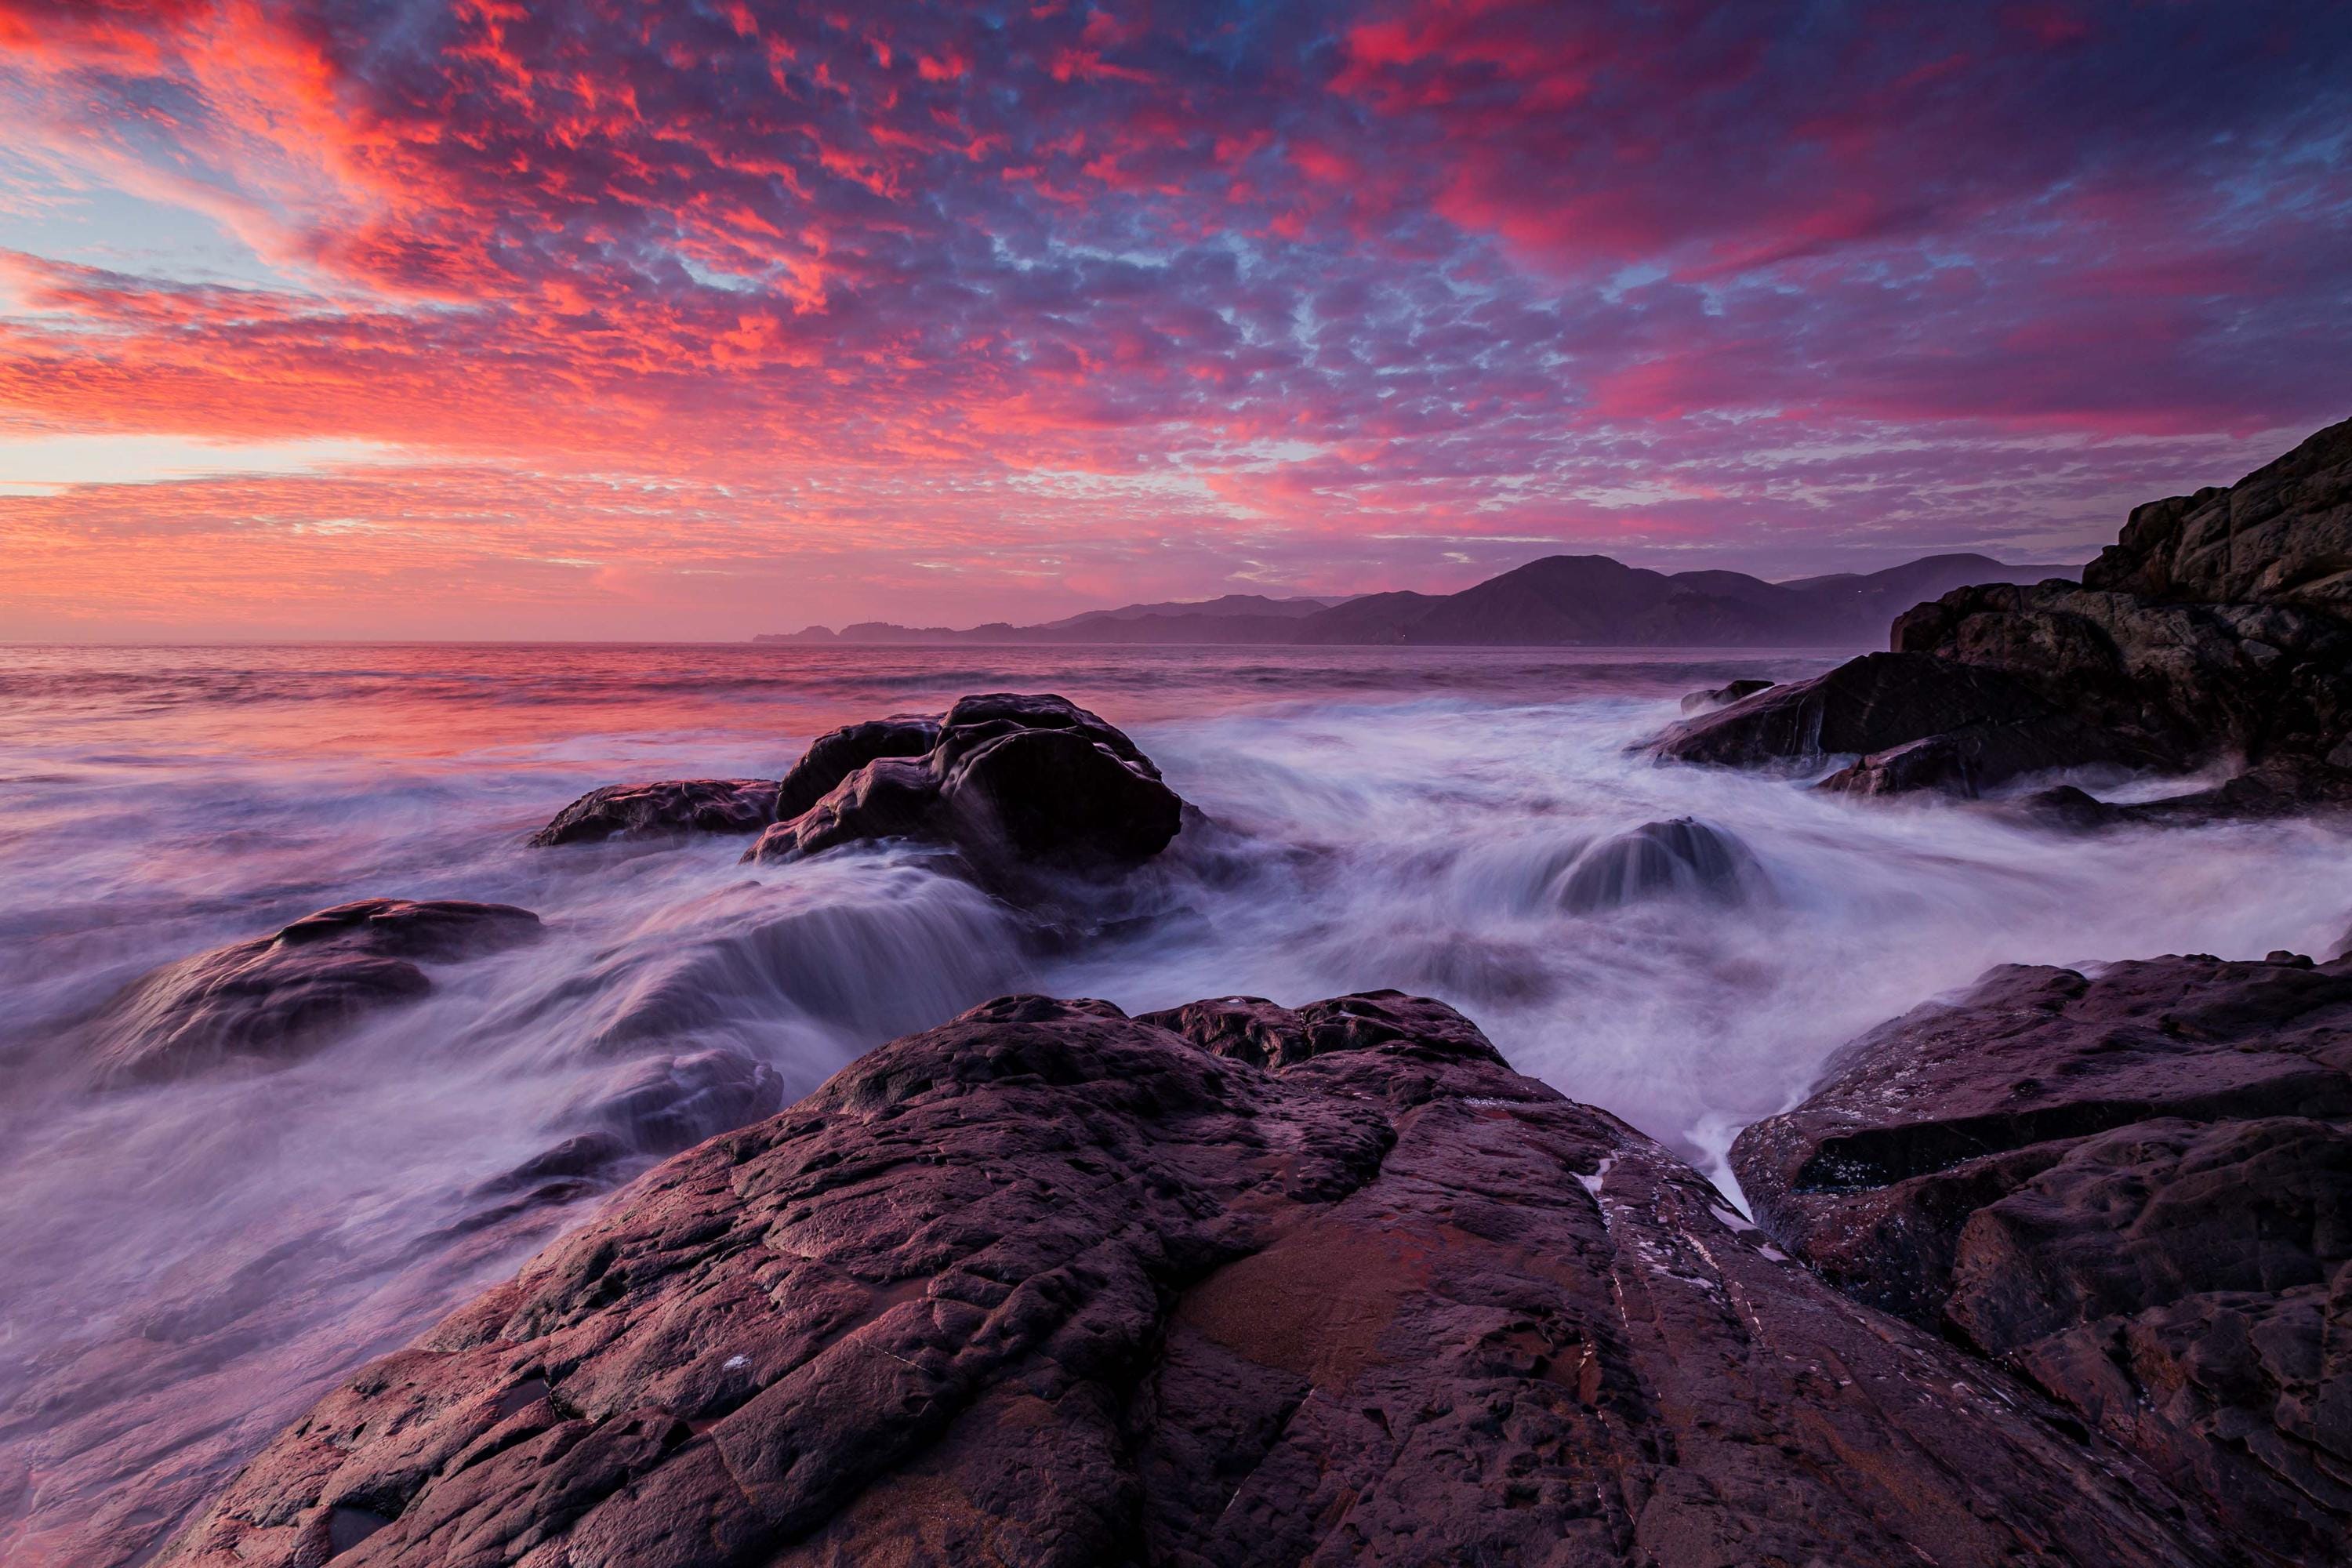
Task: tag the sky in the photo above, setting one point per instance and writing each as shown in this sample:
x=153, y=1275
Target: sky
x=701, y=318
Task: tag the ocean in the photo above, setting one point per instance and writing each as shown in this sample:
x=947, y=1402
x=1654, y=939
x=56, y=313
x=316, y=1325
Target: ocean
x=190, y=1263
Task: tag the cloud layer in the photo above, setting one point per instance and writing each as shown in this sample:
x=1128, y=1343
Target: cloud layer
x=690, y=317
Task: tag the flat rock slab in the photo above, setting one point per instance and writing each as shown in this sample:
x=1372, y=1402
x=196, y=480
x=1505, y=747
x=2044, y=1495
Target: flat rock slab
x=1049, y=1285
x=2135, y=1188
x=278, y=998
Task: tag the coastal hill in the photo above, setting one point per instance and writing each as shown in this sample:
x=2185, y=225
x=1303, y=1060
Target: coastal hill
x=1558, y=601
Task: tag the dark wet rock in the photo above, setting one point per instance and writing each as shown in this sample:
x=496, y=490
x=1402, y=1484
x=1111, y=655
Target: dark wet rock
x=2134, y=1189
x=2188, y=684
x=835, y=755
x=2218, y=632
x=663, y=1104
x=278, y=998
x=665, y=810
x=1021, y=787
x=1680, y=858
x=1723, y=696
x=1977, y=757
x=1049, y=1286
x=1869, y=705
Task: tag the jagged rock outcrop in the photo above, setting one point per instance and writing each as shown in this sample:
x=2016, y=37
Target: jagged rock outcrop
x=2219, y=630
x=2282, y=535
x=278, y=998
x=1052, y=1286
x=664, y=810
x=2134, y=1189
x=1023, y=788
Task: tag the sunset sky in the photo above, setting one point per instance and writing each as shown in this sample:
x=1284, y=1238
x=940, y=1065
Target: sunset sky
x=505, y=318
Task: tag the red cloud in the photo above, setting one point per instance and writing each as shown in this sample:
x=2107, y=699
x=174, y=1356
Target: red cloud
x=1315, y=273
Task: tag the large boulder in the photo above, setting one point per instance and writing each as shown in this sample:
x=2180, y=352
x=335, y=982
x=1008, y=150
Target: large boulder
x=668, y=809
x=2134, y=1189
x=1048, y=1285
x=278, y=998
x=2218, y=632
x=1023, y=788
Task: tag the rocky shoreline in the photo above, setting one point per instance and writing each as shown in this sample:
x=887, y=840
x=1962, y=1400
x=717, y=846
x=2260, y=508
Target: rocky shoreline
x=2055, y=1271
x=1230, y=1285
x=2216, y=634
x=2067, y=1259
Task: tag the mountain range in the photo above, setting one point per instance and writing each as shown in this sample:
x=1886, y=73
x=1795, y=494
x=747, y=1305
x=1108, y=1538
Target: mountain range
x=1558, y=601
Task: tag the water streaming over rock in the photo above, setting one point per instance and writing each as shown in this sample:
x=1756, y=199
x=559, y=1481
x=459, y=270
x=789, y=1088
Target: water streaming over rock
x=190, y=1261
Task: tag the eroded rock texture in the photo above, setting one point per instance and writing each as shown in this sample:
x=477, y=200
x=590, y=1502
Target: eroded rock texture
x=2218, y=631
x=664, y=810
x=2134, y=1189
x=1052, y=1286
x=1021, y=787
x=278, y=998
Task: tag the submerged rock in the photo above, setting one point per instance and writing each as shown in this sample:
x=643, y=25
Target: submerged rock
x=2219, y=630
x=668, y=809
x=1051, y=1286
x=2134, y=1189
x=278, y=998
x=661, y=1104
x=1684, y=856
x=1023, y=788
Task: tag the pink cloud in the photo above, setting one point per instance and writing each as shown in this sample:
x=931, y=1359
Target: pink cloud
x=1310, y=278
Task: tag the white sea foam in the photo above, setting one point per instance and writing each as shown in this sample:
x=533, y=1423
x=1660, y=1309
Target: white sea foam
x=1408, y=820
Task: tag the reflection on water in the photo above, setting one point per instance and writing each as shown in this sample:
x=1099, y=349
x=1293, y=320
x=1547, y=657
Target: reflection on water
x=191, y=1261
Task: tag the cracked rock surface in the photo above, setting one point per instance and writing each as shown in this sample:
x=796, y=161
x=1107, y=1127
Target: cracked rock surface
x=1232, y=1285
x=2134, y=1189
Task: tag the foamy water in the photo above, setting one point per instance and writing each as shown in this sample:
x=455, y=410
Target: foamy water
x=190, y=1262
